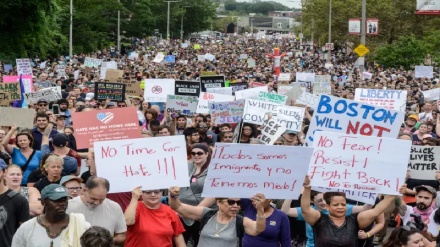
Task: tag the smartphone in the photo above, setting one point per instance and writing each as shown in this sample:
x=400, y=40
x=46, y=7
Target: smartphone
x=56, y=109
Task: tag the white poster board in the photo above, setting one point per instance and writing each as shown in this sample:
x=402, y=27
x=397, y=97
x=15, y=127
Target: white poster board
x=322, y=84
x=226, y=112
x=424, y=71
x=92, y=62
x=284, y=77
x=388, y=99
x=433, y=94
x=272, y=97
x=220, y=90
x=251, y=93
x=24, y=66
x=424, y=162
x=359, y=196
x=185, y=105
x=105, y=66
x=271, y=130
x=157, y=90
x=205, y=98
x=242, y=170
x=308, y=99
x=50, y=94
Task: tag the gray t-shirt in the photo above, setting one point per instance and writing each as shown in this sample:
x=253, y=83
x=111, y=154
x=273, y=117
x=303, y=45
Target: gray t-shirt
x=215, y=234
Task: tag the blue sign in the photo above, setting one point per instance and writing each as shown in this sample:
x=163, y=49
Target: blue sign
x=170, y=59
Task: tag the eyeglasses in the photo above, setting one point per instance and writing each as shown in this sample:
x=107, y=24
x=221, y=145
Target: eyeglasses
x=121, y=105
x=232, y=202
x=42, y=104
x=151, y=192
x=73, y=188
x=197, y=153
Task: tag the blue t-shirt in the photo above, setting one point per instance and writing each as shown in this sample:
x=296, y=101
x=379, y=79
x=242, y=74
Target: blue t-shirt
x=277, y=232
x=19, y=159
x=309, y=229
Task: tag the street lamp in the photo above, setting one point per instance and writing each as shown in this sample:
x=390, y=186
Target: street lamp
x=181, y=22
x=168, y=16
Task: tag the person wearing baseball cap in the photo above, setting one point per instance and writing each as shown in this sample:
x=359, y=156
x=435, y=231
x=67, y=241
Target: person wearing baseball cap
x=54, y=226
x=72, y=184
x=410, y=124
x=425, y=199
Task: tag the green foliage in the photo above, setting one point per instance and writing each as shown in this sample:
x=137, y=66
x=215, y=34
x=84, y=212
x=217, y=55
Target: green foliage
x=259, y=7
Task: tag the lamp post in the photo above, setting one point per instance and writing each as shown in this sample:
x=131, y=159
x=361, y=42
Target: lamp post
x=329, y=29
x=181, y=22
x=71, y=30
x=168, y=16
x=119, y=30
x=363, y=34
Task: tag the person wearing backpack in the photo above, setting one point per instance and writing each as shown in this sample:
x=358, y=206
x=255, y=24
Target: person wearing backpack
x=222, y=227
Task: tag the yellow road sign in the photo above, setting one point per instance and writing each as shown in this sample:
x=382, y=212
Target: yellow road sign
x=361, y=50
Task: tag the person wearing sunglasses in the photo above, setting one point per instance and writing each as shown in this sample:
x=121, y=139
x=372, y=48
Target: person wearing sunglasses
x=223, y=227
x=202, y=129
x=407, y=236
x=150, y=222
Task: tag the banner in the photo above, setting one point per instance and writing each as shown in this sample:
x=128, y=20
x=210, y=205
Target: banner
x=272, y=97
x=431, y=7
x=212, y=81
x=358, y=163
x=92, y=62
x=50, y=94
x=220, y=90
x=351, y=117
x=204, y=98
x=226, y=112
x=22, y=117
x=271, y=130
x=157, y=90
x=112, y=91
x=388, y=99
x=182, y=105
x=424, y=161
x=187, y=88
x=9, y=92
x=105, y=125
x=242, y=170
x=157, y=164
x=322, y=84
x=24, y=66
x=251, y=93
x=424, y=71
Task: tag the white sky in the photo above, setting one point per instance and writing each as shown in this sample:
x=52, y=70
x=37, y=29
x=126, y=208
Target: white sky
x=288, y=3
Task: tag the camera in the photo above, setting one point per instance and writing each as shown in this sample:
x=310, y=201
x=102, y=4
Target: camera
x=417, y=223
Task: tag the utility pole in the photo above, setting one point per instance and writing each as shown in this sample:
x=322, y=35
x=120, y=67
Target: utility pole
x=168, y=17
x=119, y=30
x=329, y=52
x=71, y=30
x=363, y=34
x=181, y=22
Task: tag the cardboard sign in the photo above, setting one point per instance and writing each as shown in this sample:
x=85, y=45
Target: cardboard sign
x=112, y=91
x=359, y=196
x=9, y=92
x=272, y=97
x=322, y=84
x=220, y=90
x=157, y=164
x=157, y=90
x=212, y=81
x=26, y=80
x=433, y=94
x=187, y=88
x=242, y=170
x=271, y=130
x=226, y=112
x=388, y=99
x=22, y=117
x=24, y=66
x=424, y=71
x=424, y=161
x=204, y=98
x=113, y=74
x=104, y=125
x=308, y=99
x=132, y=87
x=92, y=62
x=358, y=162
x=185, y=105
x=50, y=94
x=351, y=117
x=251, y=93
x=237, y=86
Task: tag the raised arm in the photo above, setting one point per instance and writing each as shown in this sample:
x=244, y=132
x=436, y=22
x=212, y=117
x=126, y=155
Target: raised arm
x=367, y=217
x=379, y=223
x=310, y=214
x=130, y=212
x=358, y=209
x=291, y=212
x=185, y=210
x=8, y=147
x=254, y=228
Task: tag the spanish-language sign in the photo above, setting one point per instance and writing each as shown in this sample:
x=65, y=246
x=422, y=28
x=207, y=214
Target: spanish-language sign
x=182, y=105
x=9, y=92
x=433, y=94
x=242, y=170
x=251, y=93
x=50, y=94
x=322, y=84
x=359, y=196
x=157, y=164
x=271, y=130
x=358, y=163
x=220, y=90
x=205, y=98
x=187, y=88
x=226, y=112
x=351, y=117
x=92, y=62
x=24, y=66
x=212, y=81
x=424, y=71
x=132, y=87
x=22, y=117
x=112, y=91
x=424, y=161
x=308, y=99
x=237, y=86
x=388, y=99
x=105, y=125
x=157, y=90
x=272, y=97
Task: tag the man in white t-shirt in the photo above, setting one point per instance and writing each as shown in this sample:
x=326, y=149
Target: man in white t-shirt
x=425, y=202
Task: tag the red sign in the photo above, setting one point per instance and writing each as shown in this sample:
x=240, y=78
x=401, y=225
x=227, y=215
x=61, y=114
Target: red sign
x=105, y=125
x=257, y=84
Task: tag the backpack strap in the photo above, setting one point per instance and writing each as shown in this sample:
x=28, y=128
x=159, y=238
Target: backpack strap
x=9, y=196
x=239, y=227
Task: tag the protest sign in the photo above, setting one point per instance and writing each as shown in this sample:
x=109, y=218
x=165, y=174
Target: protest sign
x=24, y=66
x=26, y=80
x=242, y=170
x=209, y=57
x=322, y=84
x=226, y=112
x=112, y=91
x=424, y=71
x=60, y=70
x=367, y=75
x=113, y=75
x=22, y=117
x=351, y=117
x=156, y=90
x=305, y=80
x=207, y=72
x=201, y=58
x=433, y=94
x=284, y=77
x=9, y=92
x=196, y=46
x=212, y=81
x=272, y=97
x=132, y=87
x=141, y=162
x=159, y=58
x=283, y=89
x=308, y=99
x=204, y=98
x=92, y=62
x=50, y=94
x=220, y=90
x=187, y=88
x=251, y=93
x=357, y=162
x=271, y=130
x=295, y=92
x=182, y=105
x=359, y=196
x=388, y=99
x=251, y=63
x=7, y=67
x=243, y=56
x=104, y=125
x=105, y=66
x=237, y=86
x=424, y=161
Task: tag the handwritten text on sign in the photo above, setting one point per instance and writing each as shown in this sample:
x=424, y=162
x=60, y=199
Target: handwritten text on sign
x=350, y=117
x=133, y=162
x=241, y=170
x=185, y=105
x=359, y=196
x=358, y=162
x=424, y=161
x=226, y=112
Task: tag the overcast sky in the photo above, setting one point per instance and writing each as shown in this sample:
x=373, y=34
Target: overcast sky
x=288, y=3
